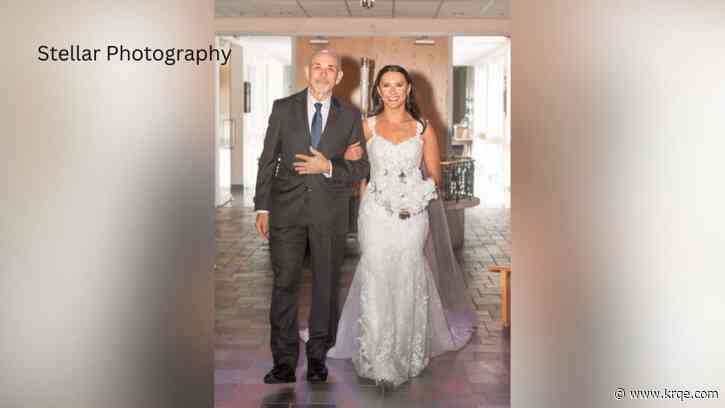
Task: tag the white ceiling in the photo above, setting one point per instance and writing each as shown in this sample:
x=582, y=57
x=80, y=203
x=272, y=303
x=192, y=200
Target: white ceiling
x=352, y=8
x=279, y=48
x=469, y=49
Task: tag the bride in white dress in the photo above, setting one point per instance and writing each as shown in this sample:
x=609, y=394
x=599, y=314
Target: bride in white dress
x=393, y=320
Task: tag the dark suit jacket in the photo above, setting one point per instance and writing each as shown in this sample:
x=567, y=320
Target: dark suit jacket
x=294, y=199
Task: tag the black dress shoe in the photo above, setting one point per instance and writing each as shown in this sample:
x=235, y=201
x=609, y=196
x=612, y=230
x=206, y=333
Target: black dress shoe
x=316, y=371
x=280, y=374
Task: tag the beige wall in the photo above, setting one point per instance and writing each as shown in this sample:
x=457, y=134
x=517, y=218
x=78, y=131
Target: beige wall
x=427, y=62
x=428, y=65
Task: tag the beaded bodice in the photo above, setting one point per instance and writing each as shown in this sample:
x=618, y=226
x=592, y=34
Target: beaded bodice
x=396, y=180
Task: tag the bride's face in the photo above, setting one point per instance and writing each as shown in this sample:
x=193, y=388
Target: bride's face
x=394, y=89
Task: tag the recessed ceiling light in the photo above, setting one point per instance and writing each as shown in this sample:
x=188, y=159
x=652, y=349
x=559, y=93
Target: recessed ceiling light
x=319, y=40
x=424, y=41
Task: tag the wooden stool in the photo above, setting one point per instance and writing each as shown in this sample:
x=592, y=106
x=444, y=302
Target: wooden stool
x=505, y=272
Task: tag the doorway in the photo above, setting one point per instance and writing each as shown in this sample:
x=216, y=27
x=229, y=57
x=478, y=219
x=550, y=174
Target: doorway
x=481, y=113
x=260, y=71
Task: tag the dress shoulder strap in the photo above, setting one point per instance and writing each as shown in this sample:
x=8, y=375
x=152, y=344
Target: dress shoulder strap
x=371, y=122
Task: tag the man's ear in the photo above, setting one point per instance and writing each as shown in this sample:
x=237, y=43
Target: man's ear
x=339, y=77
x=307, y=73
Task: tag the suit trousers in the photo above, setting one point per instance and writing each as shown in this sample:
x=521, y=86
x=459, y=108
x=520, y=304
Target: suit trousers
x=327, y=250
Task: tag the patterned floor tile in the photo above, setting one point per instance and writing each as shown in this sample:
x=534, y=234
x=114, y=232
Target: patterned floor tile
x=477, y=376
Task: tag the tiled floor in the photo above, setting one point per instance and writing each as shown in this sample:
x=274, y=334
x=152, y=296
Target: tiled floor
x=476, y=376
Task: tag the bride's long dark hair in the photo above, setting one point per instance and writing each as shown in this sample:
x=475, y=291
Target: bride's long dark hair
x=411, y=106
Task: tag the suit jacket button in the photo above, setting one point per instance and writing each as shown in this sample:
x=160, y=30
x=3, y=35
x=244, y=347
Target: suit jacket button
x=309, y=189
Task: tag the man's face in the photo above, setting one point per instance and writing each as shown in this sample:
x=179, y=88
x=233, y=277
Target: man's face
x=323, y=74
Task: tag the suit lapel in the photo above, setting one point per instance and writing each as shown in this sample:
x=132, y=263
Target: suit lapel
x=301, y=113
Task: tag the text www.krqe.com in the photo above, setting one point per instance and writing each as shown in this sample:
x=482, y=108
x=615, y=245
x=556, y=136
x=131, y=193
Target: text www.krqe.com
x=664, y=393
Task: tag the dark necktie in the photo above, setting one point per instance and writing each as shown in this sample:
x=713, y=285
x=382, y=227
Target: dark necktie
x=316, y=125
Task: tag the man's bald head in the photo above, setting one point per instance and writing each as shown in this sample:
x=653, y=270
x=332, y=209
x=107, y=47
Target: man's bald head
x=325, y=52
x=323, y=73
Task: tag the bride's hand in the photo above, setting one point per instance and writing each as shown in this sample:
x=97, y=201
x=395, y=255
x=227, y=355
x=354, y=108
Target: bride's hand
x=354, y=152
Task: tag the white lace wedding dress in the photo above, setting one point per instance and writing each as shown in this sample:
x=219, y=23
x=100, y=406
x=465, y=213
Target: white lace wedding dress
x=393, y=322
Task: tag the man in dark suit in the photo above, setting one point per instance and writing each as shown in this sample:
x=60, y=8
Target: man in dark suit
x=302, y=198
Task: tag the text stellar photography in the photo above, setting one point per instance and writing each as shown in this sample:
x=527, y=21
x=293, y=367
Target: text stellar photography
x=169, y=56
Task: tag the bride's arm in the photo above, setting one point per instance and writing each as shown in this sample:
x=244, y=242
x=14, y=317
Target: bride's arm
x=431, y=155
x=363, y=187
x=367, y=133
x=355, y=152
